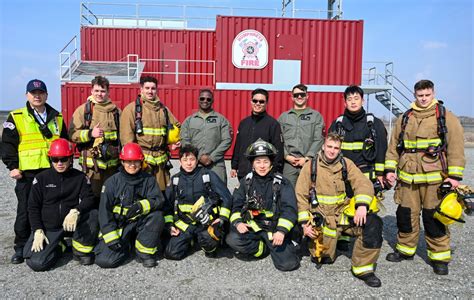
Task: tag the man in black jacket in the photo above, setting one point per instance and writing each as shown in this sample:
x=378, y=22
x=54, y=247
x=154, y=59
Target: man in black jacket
x=258, y=125
x=60, y=202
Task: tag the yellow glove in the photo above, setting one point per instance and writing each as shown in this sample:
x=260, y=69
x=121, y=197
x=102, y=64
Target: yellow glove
x=38, y=240
x=70, y=221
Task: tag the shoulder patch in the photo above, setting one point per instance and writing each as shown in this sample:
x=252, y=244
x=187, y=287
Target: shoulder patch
x=8, y=125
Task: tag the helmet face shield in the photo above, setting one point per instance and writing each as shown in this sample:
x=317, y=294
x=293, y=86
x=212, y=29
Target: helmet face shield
x=449, y=210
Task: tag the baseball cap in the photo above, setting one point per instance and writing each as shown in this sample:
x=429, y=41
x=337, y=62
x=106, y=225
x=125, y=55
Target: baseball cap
x=36, y=84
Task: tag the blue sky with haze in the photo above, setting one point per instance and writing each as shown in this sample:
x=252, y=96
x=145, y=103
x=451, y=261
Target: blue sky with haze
x=425, y=39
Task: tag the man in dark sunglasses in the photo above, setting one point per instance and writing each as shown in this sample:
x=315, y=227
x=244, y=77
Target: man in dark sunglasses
x=210, y=132
x=302, y=129
x=258, y=125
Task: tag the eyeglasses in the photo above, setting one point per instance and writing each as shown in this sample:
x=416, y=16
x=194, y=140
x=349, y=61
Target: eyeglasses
x=202, y=99
x=59, y=159
x=255, y=101
x=297, y=95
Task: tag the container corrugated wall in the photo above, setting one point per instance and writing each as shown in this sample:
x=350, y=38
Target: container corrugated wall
x=330, y=51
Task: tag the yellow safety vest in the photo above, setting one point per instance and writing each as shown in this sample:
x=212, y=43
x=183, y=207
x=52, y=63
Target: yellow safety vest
x=33, y=147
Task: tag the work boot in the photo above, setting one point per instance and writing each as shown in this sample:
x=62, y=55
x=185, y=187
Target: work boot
x=148, y=262
x=397, y=257
x=370, y=279
x=212, y=254
x=84, y=260
x=440, y=268
x=17, y=258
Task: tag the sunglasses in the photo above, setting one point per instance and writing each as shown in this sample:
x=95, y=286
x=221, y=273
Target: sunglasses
x=202, y=99
x=59, y=159
x=297, y=95
x=255, y=101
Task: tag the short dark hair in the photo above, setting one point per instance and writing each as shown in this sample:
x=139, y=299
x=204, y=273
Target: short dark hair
x=260, y=91
x=424, y=84
x=100, y=81
x=353, y=89
x=300, y=86
x=206, y=91
x=188, y=149
x=145, y=79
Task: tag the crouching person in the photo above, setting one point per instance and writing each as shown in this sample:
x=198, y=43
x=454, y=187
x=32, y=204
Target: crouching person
x=334, y=198
x=129, y=207
x=264, y=211
x=60, y=204
x=198, y=205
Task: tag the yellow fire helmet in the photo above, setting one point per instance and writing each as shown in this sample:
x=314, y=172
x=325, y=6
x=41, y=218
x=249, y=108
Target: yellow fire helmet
x=350, y=209
x=449, y=210
x=173, y=135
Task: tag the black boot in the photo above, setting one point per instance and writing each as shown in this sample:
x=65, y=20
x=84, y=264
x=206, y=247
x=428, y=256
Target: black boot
x=397, y=257
x=84, y=260
x=370, y=279
x=440, y=268
x=17, y=258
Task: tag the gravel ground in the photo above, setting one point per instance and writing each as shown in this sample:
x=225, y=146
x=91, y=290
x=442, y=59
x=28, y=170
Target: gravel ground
x=230, y=277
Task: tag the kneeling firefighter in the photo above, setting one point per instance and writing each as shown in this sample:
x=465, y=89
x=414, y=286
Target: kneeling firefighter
x=197, y=207
x=325, y=211
x=264, y=211
x=60, y=205
x=129, y=206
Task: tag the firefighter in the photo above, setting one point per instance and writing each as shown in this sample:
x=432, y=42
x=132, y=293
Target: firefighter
x=198, y=204
x=130, y=206
x=61, y=204
x=426, y=148
x=148, y=122
x=324, y=187
x=210, y=132
x=264, y=211
x=27, y=134
x=302, y=129
x=94, y=129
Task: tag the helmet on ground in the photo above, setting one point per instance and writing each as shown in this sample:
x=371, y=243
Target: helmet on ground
x=60, y=148
x=131, y=151
x=350, y=209
x=449, y=210
x=260, y=148
x=173, y=135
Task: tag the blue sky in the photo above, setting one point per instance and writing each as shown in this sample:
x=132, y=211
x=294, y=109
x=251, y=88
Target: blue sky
x=425, y=39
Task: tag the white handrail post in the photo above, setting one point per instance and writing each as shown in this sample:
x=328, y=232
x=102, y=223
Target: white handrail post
x=176, y=71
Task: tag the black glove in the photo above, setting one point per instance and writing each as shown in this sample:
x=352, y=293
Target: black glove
x=134, y=211
x=115, y=247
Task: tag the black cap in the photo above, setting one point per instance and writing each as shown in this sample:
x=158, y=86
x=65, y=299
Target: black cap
x=36, y=84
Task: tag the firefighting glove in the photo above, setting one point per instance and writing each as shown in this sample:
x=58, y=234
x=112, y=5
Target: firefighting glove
x=115, y=246
x=70, y=221
x=38, y=240
x=134, y=211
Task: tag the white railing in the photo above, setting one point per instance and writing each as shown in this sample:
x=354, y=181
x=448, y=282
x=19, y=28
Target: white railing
x=68, y=59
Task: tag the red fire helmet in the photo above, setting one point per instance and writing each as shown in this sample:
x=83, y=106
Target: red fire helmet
x=131, y=151
x=60, y=148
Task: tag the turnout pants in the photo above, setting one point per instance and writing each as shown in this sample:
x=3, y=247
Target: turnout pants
x=83, y=240
x=98, y=178
x=147, y=230
x=22, y=226
x=179, y=246
x=413, y=199
x=259, y=244
x=161, y=173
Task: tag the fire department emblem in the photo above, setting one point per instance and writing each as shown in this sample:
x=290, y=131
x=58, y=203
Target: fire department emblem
x=250, y=50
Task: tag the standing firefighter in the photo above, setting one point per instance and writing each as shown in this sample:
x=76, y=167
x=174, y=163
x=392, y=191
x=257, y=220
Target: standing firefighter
x=61, y=204
x=426, y=149
x=264, y=211
x=27, y=135
x=148, y=122
x=130, y=206
x=334, y=197
x=198, y=204
x=94, y=129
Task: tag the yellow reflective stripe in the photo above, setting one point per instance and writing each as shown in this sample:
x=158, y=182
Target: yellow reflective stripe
x=168, y=219
x=154, y=131
x=344, y=238
x=81, y=248
x=379, y=167
x=421, y=143
x=444, y=255
x=186, y=208
x=332, y=199
x=352, y=145
x=181, y=225
x=285, y=223
x=145, y=206
x=344, y=220
x=362, y=269
x=235, y=216
x=225, y=212
x=303, y=216
x=84, y=135
x=261, y=247
x=254, y=226
x=110, y=135
x=270, y=235
x=410, y=251
x=142, y=249
x=456, y=171
x=420, y=177
x=158, y=160
x=119, y=210
x=391, y=164
x=267, y=213
x=100, y=163
x=361, y=198
x=111, y=236
x=329, y=232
